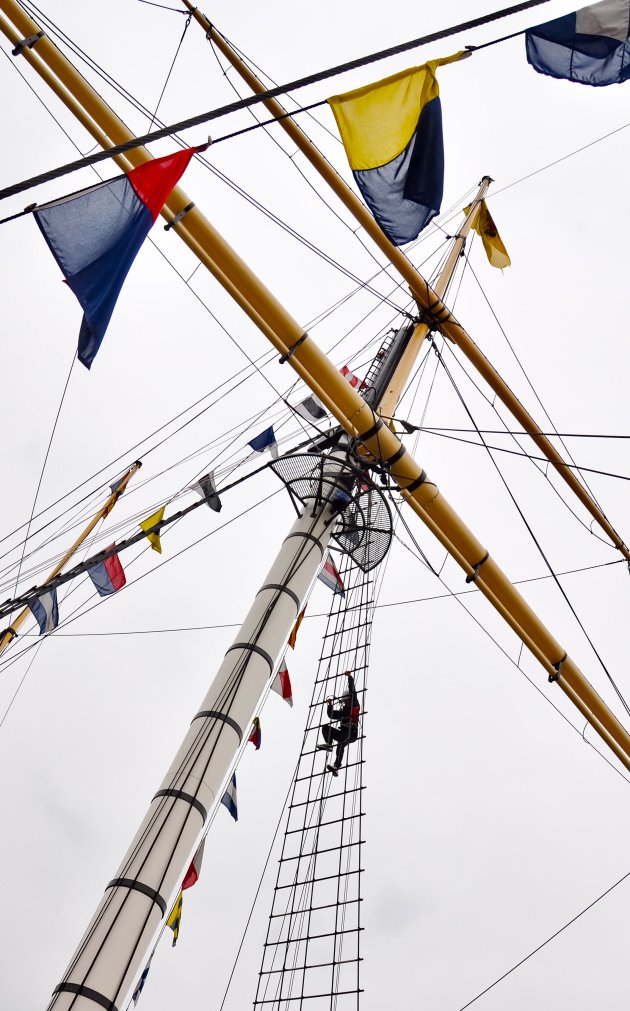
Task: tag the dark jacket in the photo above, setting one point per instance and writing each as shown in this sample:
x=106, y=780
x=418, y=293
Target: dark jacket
x=348, y=712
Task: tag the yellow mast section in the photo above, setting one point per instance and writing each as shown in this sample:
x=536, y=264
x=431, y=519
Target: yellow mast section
x=429, y=299
x=9, y=634
x=352, y=412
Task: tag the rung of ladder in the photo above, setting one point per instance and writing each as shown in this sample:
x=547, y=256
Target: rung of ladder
x=344, y=629
x=316, y=775
x=305, y=996
x=342, y=652
x=318, y=751
x=312, y=937
x=309, y=965
x=316, y=853
x=316, y=909
x=323, y=824
x=318, y=800
x=316, y=881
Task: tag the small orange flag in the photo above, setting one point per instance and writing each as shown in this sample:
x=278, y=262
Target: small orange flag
x=296, y=628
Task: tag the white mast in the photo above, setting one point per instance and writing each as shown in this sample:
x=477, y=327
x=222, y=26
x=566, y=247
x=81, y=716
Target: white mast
x=114, y=949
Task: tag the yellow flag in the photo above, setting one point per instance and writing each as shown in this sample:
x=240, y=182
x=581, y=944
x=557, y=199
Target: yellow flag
x=485, y=227
x=154, y=538
x=175, y=917
x=296, y=628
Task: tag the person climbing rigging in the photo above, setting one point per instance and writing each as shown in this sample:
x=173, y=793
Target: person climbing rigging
x=348, y=729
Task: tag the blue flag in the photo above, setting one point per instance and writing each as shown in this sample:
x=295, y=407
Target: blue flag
x=95, y=236
x=266, y=440
x=44, y=609
x=141, y=982
x=589, y=46
x=229, y=798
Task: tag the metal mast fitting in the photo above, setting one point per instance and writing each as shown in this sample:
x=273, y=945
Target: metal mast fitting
x=365, y=530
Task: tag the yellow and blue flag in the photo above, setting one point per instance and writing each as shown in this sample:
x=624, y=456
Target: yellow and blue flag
x=483, y=224
x=392, y=133
x=175, y=917
x=590, y=46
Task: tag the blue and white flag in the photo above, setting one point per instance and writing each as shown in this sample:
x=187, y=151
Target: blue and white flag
x=266, y=440
x=589, y=46
x=229, y=798
x=44, y=609
x=136, y=994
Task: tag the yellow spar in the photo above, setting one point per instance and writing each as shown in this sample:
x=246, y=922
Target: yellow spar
x=352, y=412
x=429, y=299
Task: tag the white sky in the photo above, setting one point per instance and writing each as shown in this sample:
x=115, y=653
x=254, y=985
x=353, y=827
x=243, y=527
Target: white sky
x=490, y=823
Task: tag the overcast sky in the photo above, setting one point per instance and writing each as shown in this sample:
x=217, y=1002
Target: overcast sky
x=506, y=821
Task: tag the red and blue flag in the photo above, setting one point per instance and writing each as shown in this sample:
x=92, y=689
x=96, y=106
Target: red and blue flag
x=95, y=236
x=108, y=576
x=255, y=737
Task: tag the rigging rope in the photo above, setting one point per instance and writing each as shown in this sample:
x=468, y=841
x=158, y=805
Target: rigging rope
x=284, y=89
x=553, y=936
x=533, y=536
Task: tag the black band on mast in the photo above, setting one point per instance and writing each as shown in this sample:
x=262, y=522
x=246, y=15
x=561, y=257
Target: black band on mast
x=416, y=484
x=472, y=577
x=254, y=649
x=216, y=715
x=180, y=795
x=139, y=886
x=308, y=537
x=283, y=589
x=86, y=991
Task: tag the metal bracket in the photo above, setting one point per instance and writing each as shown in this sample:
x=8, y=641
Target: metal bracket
x=558, y=669
x=10, y=631
x=27, y=43
x=284, y=358
x=179, y=217
x=473, y=576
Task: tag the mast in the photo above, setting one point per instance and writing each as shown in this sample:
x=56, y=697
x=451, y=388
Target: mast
x=429, y=299
x=355, y=415
x=8, y=634
x=117, y=941
x=113, y=951
x=389, y=401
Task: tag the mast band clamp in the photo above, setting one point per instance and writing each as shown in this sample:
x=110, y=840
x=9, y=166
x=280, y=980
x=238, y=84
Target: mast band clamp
x=291, y=351
x=139, y=887
x=307, y=537
x=376, y=427
x=430, y=320
x=10, y=631
x=395, y=458
x=181, y=795
x=473, y=575
x=558, y=669
x=283, y=589
x=88, y=993
x=216, y=715
x=253, y=648
x=415, y=484
x=179, y=217
x=27, y=43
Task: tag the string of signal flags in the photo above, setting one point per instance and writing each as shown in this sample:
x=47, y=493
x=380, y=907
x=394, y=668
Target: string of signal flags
x=105, y=568
x=281, y=684
x=392, y=135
